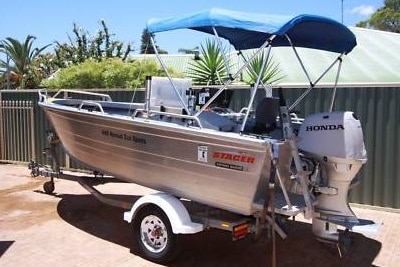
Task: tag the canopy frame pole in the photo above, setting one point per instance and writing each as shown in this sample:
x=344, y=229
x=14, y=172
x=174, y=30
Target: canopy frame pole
x=266, y=55
x=228, y=69
x=169, y=76
x=266, y=86
x=299, y=60
x=234, y=76
x=254, y=91
x=335, y=86
x=312, y=85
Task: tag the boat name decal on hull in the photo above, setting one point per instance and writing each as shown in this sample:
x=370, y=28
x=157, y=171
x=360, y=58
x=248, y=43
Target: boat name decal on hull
x=127, y=137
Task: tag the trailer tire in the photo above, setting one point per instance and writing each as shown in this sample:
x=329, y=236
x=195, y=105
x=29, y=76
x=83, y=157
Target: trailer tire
x=153, y=236
x=48, y=187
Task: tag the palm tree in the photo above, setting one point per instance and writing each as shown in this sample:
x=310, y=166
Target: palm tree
x=271, y=72
x=209, y=68
x=22, y=56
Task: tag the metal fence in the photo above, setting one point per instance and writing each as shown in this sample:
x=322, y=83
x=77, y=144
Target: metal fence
x=23, y=132
x=17, y=131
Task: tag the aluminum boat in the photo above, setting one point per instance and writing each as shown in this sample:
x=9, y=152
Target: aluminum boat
x=178, y=141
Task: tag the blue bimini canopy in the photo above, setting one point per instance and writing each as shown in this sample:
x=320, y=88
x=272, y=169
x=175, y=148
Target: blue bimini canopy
x=249, y=31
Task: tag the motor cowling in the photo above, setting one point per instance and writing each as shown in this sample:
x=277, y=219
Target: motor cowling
x=332, y=135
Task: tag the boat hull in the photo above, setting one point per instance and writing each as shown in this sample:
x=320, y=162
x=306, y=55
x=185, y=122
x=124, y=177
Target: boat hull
x=227, y=171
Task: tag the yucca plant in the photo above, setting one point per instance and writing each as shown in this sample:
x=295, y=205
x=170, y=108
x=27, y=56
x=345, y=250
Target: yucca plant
x=271, y=74
x=210, y=68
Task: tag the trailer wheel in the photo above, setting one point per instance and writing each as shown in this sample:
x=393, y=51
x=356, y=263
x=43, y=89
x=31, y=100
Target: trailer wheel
x=153, y=236
x=48, y=187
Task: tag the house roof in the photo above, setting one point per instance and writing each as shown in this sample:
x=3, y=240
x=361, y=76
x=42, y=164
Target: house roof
x=374, y=62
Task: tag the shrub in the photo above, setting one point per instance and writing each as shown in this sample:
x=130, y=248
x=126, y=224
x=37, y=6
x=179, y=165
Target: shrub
x=109, y=73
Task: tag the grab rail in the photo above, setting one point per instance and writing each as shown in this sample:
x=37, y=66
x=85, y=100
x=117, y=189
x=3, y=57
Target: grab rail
x=179, y=116
x=91, y=103
x=104, y=97
x=42, y=96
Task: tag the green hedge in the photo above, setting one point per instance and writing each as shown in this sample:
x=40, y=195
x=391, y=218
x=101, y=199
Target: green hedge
x=108, y=73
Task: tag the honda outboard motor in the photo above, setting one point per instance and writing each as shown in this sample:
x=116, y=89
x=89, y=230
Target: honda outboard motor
x=334, y=140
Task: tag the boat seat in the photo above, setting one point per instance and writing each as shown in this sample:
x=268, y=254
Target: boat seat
x=266, y=113
x=212, y=120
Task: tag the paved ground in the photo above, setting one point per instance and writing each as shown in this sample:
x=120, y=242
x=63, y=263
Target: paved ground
x=71, y=228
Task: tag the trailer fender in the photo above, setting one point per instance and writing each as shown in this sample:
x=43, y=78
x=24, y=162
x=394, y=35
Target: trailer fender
x=173, y=208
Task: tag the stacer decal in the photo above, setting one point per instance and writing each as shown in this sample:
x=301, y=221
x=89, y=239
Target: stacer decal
x=233, y=157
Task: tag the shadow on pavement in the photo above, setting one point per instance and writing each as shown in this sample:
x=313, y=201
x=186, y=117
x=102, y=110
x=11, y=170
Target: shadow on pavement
x=215, y=247
x=4, y=245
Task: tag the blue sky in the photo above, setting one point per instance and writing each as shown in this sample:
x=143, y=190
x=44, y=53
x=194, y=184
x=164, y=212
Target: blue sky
x=52, y=20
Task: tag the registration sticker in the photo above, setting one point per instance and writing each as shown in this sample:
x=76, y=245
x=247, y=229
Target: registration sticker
x=202, y=153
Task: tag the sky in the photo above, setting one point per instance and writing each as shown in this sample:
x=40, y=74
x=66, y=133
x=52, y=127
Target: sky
x=52, y=20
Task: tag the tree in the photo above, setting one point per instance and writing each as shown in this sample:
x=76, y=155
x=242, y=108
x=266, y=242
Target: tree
x=83, y=47
x=22, y=56
x=386, y=18
x=209, y=68
x=270, y=74
x=146, y=47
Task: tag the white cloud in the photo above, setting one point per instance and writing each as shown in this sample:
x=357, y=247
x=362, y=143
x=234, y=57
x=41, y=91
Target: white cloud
x=363, y=10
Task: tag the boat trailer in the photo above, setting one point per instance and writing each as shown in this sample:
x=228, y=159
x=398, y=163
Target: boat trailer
x=185, y=216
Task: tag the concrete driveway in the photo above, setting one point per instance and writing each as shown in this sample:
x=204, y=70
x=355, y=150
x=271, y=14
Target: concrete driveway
x=72, y=228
